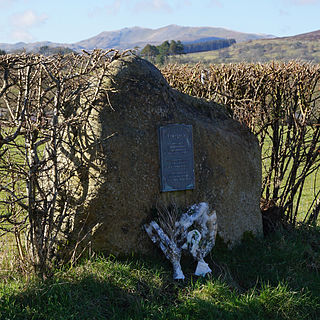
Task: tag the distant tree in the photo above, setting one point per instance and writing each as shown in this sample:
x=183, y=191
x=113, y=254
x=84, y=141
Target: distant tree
x=44, y=50
x=61, y=50
x=175, y=47
x=180, y=47
x=2, y=52
x=160, y=59
x=158, y=54
x=164, y=48
x=47, y=51
x=149, y=51
x=208, y=45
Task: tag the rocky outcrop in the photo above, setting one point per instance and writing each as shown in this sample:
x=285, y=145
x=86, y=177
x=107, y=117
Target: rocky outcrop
x=120, y=182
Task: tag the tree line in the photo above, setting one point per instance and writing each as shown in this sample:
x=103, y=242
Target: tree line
x=158, y=54
x=208, y=45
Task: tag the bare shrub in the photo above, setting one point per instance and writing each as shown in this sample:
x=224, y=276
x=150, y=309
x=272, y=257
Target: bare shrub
x=280, y=103
x=40, y=99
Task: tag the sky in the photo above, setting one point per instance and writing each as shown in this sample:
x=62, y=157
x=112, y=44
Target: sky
x=69, y=21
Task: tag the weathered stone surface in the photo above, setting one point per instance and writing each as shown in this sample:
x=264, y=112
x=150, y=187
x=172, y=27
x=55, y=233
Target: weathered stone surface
x=121, y=181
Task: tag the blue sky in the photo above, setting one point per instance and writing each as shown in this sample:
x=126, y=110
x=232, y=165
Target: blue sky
x=68, y=21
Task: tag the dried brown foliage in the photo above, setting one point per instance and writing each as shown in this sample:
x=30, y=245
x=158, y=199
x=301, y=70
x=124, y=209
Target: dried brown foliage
x=280, y=103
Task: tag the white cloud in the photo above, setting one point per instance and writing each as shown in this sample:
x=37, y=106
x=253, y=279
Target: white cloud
x=21, y=23
x=28, y=19
x=21, y=35
x=153, y=5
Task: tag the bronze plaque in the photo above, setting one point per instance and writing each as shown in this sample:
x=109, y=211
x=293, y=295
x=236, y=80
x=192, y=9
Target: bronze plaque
x=176, y=157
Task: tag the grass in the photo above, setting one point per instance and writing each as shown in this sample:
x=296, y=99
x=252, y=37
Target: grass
x=257, y=51
x=312, y=181
x=272, y=278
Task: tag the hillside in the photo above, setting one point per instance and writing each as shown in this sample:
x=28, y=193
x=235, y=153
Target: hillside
x=8, y=47
x=129, y=38
x=136, y=36
x=315, y=35
x=305, y=47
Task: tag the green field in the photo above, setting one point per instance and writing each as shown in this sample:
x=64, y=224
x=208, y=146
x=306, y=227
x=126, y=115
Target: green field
x=272, y=278
x=256, y=51
x=311, y=184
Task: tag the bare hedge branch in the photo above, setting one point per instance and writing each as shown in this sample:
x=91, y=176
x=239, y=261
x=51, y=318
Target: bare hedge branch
x=280, y=103
x=40, y=104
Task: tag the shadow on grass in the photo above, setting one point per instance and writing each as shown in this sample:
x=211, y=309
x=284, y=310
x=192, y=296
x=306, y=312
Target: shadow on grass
x=88, y=298
x=288, y=256
x=273, y=278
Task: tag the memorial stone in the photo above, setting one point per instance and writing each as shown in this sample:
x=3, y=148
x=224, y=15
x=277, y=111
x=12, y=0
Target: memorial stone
x=119, y=184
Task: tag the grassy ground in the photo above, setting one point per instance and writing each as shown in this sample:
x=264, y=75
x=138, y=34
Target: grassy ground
x=311, y=184
x=257, y=51
x=272, y=278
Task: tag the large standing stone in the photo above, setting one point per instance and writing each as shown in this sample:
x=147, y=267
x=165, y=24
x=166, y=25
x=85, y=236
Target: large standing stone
x=121, y=180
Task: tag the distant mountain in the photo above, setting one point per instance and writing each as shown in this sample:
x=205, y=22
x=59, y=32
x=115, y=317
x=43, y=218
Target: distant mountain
x=29, y=46
x=129, y=38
